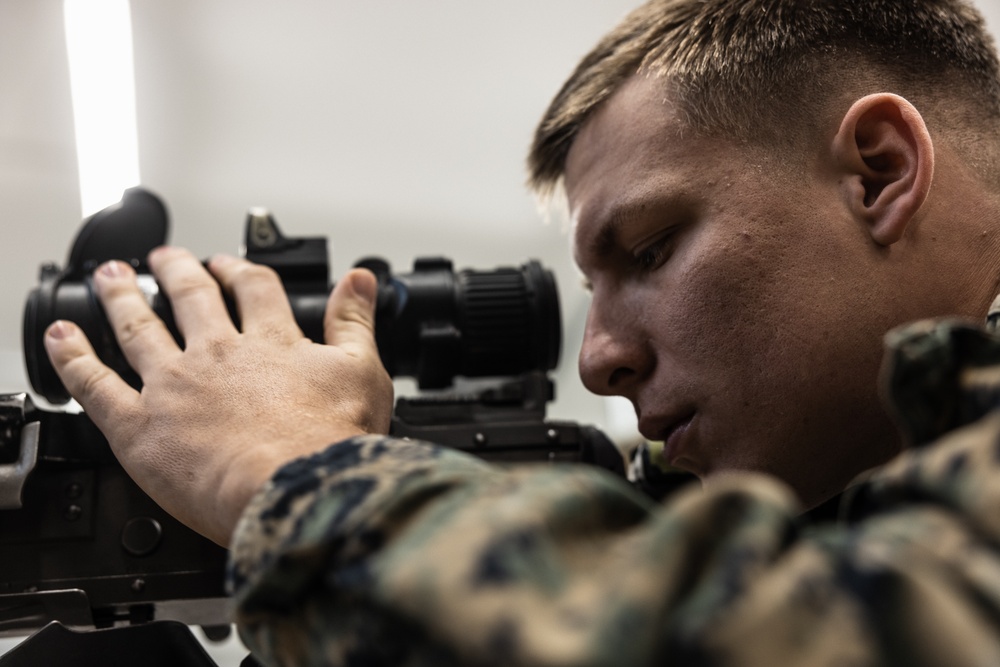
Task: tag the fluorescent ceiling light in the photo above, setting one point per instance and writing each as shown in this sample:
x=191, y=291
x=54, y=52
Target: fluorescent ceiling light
x=102, y=82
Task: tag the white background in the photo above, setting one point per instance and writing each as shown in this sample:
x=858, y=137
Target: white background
x=393, y=127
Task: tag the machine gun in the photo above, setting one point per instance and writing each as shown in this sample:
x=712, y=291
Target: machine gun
x=84, y=548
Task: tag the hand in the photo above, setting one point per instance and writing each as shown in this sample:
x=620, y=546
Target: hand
x=215, y=420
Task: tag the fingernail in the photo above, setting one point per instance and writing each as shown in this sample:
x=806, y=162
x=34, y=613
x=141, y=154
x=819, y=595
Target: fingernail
x=112, y=269
x=222, y=259
x=58, y=330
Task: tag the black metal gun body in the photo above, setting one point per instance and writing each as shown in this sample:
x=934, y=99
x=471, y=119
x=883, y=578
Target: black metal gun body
x=83, y=545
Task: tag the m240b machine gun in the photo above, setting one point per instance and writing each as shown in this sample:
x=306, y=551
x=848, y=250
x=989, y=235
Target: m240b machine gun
x=96, y=568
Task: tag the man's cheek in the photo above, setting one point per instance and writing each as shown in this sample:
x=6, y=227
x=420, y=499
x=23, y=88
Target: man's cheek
x=719, y=306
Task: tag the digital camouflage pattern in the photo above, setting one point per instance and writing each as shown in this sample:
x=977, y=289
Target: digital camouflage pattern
x=386, y=552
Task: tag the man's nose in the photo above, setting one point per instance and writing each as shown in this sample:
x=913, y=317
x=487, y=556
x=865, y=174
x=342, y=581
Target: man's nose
x=614, y=357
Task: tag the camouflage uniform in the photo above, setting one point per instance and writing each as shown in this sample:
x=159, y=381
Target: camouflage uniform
x=385, y=552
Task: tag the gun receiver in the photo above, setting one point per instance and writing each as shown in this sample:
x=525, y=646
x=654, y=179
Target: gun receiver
x=81, y=544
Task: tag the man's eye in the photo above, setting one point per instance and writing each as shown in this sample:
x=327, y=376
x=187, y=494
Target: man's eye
x=655, y=254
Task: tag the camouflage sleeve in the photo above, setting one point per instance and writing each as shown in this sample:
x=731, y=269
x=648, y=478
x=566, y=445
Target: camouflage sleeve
x=384, y=552
x=387, y=552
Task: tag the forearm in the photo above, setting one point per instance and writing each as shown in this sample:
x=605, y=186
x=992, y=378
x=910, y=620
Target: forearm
x=444, y=555
x=309, y=555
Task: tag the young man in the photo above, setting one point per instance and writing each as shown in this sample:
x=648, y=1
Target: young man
x=769, y=188
x=760, y=189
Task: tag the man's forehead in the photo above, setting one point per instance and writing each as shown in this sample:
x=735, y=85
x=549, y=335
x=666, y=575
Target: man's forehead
x=621, y=155
x=639, y=109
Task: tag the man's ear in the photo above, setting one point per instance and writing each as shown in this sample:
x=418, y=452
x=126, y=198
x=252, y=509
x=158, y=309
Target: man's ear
x=886, y=156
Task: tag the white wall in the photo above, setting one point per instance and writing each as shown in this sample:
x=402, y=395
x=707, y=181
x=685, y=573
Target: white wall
x=395, y=128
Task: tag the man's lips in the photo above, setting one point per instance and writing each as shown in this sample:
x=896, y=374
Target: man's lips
x=671, y=431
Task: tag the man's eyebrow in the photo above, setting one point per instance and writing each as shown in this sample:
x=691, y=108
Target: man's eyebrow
x=606, y=239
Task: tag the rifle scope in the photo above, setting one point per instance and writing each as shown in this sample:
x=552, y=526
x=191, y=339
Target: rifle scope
x=432, y=324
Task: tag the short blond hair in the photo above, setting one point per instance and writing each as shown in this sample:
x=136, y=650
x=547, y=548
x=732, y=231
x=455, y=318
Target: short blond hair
x=758, y=71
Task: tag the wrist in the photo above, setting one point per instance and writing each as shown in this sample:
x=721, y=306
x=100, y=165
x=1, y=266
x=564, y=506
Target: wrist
x=244, y=475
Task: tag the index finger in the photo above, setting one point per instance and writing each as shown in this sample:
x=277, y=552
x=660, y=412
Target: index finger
x=142, y=335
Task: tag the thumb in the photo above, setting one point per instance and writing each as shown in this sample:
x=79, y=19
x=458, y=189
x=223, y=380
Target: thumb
x=349, y=320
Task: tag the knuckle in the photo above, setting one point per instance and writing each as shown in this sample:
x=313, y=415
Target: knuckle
x=259, y=274
x=137, y=327
x=66, y=353
x=278, y=332
x=89, y=388
x=218, y=349
x=360, y=317
x=193, y=285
